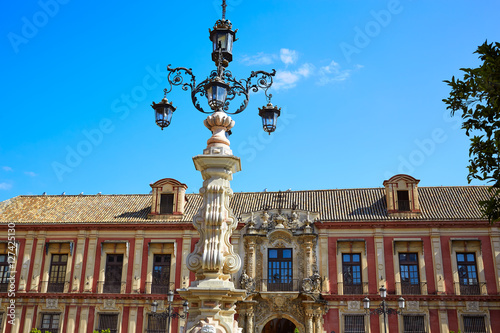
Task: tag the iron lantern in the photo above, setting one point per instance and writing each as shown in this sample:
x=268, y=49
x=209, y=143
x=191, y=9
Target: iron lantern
x=366, y=303
x=216, y=90
x=222, y=38
x=401, y=302
x=163, y=112
x=269, y=114
x=383, y=292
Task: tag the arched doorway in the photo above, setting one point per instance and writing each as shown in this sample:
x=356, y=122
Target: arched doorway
x=279, y=326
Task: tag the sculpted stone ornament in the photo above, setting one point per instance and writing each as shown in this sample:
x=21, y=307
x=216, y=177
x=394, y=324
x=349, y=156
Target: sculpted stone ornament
x=247, y=283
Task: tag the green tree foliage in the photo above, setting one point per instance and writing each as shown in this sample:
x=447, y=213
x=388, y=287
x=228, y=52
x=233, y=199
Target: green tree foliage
x=477, y=97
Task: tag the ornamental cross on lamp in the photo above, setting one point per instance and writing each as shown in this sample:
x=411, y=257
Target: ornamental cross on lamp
x=220, y=87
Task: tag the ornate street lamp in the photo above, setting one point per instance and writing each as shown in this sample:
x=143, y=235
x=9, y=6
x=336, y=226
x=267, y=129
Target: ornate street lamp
x=169, y=314
x=383, y=309
x=220, y=87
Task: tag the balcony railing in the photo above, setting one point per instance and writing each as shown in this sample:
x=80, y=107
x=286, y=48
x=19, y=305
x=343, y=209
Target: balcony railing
x=406, y=288
x=54, y=287
x=279, y=285
x=159, y=289
x=354, y=289
x=471, y=289
x=111, y=287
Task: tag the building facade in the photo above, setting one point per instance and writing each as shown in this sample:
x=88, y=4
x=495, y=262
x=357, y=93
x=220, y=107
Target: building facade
x=78, y=263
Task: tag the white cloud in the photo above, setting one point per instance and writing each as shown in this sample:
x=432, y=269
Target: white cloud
x=7, y=168
x=288, y=56
x=5, y=186
x=306, y=70
x=30, y=173
x=333, y=73
x=260, y=58
x=288, y=79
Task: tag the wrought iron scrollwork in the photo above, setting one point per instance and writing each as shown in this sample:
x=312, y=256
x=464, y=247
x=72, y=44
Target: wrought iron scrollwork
x=181, y=76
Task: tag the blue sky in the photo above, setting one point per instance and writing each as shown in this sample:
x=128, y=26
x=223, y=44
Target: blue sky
x=359, y=84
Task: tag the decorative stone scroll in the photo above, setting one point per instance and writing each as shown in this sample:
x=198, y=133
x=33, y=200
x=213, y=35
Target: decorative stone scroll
x=289, y=219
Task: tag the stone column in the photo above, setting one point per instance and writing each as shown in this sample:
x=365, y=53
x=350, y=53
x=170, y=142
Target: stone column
x=309, y=323
x=251, y=258
x=212, y=296
x=317, y=324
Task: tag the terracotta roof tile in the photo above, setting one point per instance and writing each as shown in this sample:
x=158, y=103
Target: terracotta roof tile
x=436, y=203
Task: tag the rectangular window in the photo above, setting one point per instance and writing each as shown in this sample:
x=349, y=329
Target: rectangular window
x=279, y=272
x=351, y=271
x=156, y=325
x=57, y=273
x=354, y=324
x=408, y=266
x=1, y=322
x=474, y=324
x=467, y=274
x=161, y=274
x=113, y=275
x=108, y=321
x=167, y=204
x=414, y=324
x=403, y=201
x=4, y=273
x=50, y=322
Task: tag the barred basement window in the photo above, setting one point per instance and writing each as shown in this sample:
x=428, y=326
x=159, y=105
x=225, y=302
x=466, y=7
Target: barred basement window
x=167, y=204
x=161, y=274
x=354, y=323
x=156, y=325
x=108, y=321
x=474, y=324
x=351, y=271
x=50, y=322
x=4, y=273
x=414, y=324
x=57, y=273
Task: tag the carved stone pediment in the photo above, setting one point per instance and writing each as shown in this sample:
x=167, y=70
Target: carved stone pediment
x=290, y=219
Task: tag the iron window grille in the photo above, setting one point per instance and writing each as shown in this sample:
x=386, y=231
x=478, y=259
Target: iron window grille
x=408, y=266
x=156, y=325
x=280, y=273
x=50, y=322
x=467, y=274
x=354, y=323
x=4, y=273
x=351, y=272
x=108, y=321
x=161, y=274
x=474, y=324
x=414, y=324
x=57, y=273
x=113, y=275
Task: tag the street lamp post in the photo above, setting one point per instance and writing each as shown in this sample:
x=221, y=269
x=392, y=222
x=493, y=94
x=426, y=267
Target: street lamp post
x=383, y=309
x=212, y=296
x=169, y=314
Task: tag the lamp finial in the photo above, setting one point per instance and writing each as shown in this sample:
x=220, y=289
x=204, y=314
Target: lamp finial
x=224, y=9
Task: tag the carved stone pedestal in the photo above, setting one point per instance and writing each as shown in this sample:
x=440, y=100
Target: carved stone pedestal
x=212, y=296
